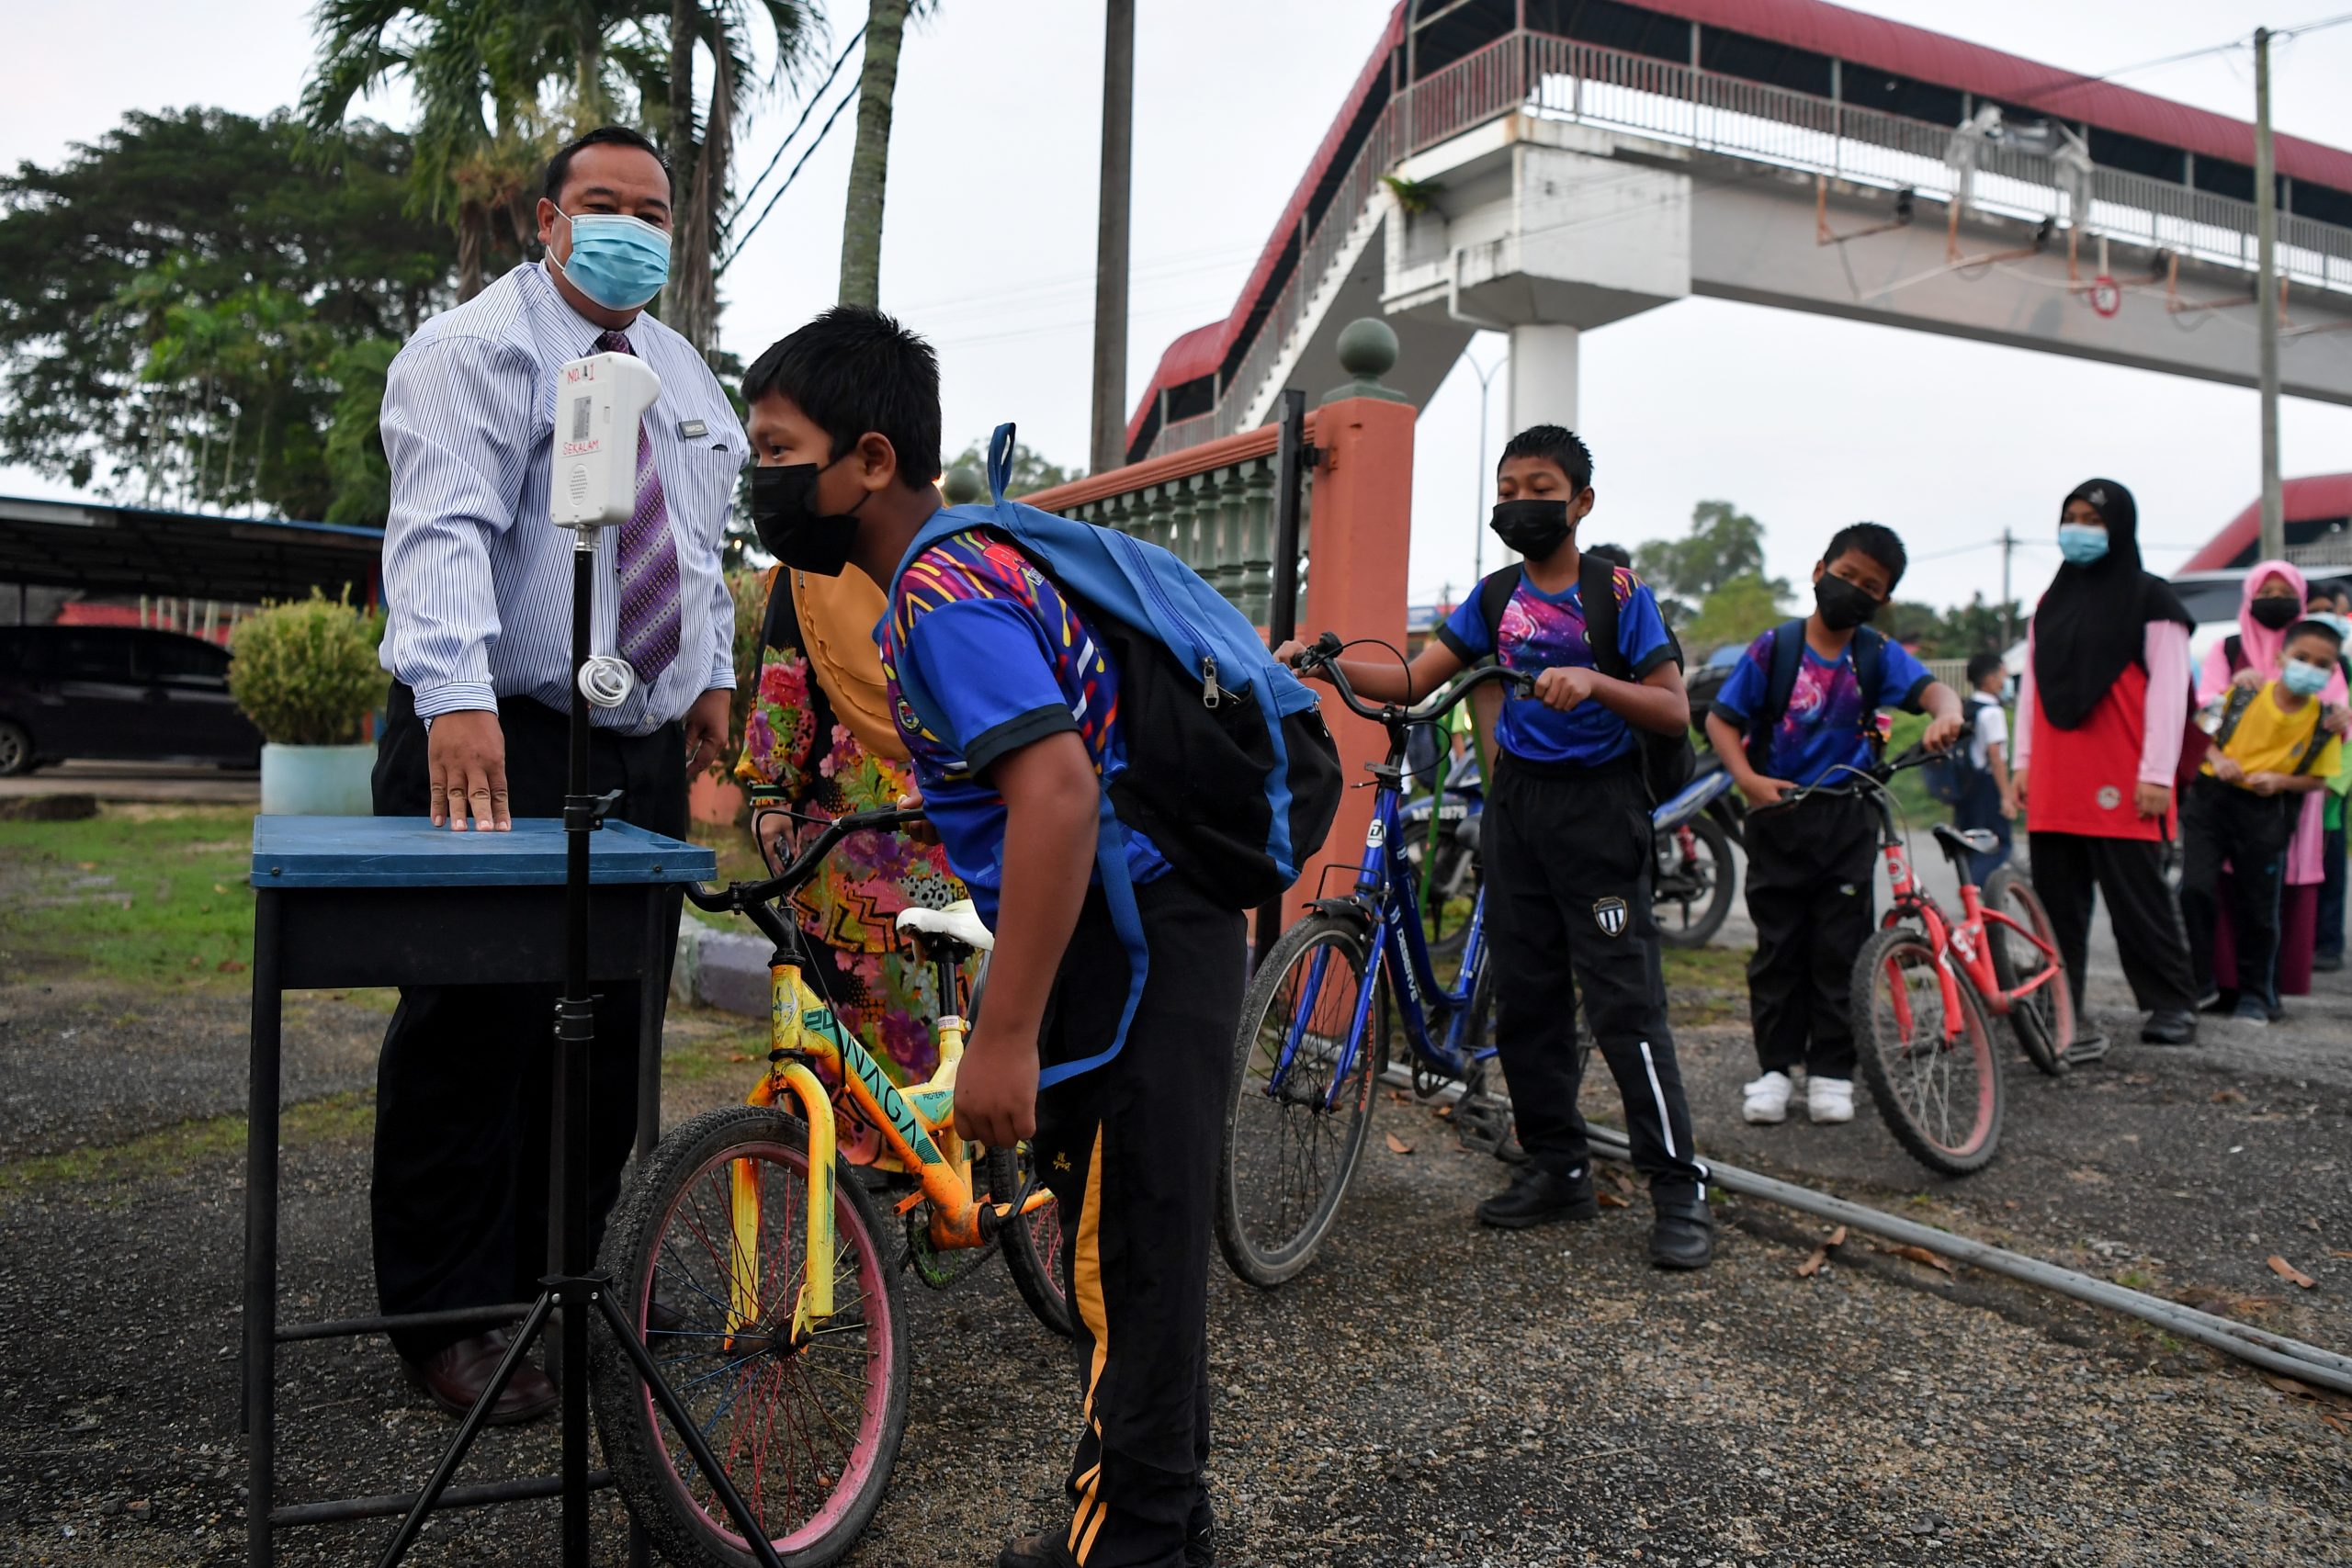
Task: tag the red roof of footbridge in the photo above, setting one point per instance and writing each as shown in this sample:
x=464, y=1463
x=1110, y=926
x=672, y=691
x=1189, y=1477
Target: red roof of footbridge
x=1844, y=34
x=2314, y=495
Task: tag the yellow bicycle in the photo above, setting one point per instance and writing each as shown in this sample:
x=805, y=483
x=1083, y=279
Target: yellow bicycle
x=760, y=1269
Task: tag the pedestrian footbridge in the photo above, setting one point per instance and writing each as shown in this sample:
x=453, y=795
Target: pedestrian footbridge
x=1545, y=166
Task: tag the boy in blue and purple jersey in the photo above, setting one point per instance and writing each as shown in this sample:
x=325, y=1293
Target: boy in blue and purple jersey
x=844, y=421
x=1566, y=851
x=1810, y=866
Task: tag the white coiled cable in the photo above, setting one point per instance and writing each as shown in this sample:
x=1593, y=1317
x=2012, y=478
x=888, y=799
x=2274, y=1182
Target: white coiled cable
x=607, y=680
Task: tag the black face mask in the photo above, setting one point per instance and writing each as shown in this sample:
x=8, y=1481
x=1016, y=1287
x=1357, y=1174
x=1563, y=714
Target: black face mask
x=1843, y=606
x=1533, y=528
x=784, y=511
x=2275, y=614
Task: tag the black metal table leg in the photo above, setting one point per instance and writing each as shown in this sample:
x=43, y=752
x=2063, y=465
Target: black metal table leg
x=260, y=1358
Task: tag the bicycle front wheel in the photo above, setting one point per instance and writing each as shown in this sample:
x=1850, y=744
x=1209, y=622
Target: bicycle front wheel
x=1302, y=1097
x=2043, y=1021
x=1032, y=1242
x=711, y=1244
x=1939, y=1089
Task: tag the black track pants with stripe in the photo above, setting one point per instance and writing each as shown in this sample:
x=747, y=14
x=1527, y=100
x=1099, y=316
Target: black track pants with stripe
x=1130, y=1150
x=1567, y=864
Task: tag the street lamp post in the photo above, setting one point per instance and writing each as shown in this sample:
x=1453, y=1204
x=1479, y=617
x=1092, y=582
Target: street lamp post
x=1478, y=538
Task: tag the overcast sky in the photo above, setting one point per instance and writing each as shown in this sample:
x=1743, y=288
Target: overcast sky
x=1804, y=420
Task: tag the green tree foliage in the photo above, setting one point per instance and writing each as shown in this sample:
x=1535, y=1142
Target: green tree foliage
x=178, y=299
x=1735, y=612
x=1030, y=470
x=1724, y=545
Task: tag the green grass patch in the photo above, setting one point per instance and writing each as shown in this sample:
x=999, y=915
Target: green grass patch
x=148, y=895
x=172, y=1151
x=1705, y=984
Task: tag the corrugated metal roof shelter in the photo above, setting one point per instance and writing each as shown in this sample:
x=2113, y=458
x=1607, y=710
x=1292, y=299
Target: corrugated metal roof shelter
x=107, y=549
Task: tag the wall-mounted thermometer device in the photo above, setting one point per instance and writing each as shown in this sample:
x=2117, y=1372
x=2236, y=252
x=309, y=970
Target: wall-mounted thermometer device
x=600, y=402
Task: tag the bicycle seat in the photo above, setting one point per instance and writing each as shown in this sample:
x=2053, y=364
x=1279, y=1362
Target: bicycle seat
x=959, y=923
x=1966, y=840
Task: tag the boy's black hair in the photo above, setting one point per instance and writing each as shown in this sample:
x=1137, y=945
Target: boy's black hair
x=854, y=370
x=1875, y=540
x=1981, y=665
x=1615, y=554
x=2313, y=628
x=1558, y=445
x=560, y=166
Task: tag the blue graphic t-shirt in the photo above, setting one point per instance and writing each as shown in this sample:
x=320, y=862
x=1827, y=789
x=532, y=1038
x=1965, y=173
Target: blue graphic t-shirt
x=1540, y=631
x=1822, y=728
x=1007, y=662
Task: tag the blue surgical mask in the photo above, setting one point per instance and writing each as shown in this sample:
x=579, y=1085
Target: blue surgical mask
x=2303, y=680
x=2081, y=543
x=618, y=261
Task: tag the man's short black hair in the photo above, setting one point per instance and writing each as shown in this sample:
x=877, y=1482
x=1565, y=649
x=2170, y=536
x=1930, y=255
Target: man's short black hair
x=2315, y=628
x=1875, y=540
x=1558, y=445
x=1615, y=554
x=1981, y=665
x=854, y=370
x=560, y=166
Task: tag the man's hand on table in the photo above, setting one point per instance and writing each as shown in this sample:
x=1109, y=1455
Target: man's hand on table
x=466, y=761
x=707, y=724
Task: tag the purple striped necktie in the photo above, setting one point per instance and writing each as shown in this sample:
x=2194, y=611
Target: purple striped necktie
x=648, y=561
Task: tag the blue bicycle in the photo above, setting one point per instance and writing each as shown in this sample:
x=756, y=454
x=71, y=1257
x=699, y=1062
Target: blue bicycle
x=1317, y=1025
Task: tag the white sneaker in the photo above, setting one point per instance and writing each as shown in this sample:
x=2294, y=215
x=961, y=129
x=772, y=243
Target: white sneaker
x=1768, y=1099
x=1829, y=1099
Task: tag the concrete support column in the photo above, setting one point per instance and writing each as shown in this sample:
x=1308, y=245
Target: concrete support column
x=1542, y=376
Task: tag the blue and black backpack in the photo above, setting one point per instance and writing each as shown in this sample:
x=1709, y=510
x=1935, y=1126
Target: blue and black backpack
x=1230, y=771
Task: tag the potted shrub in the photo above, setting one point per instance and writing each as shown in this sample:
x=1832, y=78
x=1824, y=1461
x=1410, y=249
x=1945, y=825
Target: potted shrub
x=305, y=673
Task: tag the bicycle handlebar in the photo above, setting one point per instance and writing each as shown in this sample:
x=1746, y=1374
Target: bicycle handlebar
x=1324, y=656
x=1874, y=776
x=743, y=896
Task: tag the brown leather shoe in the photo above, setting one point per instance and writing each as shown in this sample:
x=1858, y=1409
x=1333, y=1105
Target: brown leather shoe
x=456, y=1375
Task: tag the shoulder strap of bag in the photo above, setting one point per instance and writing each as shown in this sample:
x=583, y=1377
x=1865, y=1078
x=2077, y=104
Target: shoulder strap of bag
x=2240, y=699
x=1494, y=597
x=1868, y=650
x=1597, y=594
x=1780, y=681
x=2234, y=652
x=2316, y=744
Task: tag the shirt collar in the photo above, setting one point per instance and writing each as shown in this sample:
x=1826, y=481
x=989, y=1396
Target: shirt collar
x=572, y=318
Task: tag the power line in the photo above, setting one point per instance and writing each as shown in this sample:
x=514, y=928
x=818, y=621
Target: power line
x=806, y=109
x=737, y=248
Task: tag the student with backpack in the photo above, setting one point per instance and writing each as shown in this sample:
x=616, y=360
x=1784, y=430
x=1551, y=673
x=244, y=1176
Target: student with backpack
x=1801, y=706
x=1974, y=779
x=1040, y=689
x=1566, y=853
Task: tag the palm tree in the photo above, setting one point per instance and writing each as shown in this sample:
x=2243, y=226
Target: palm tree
x=869, y=160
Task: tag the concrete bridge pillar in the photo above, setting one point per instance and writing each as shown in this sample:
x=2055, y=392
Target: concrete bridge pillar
x=1543, y=375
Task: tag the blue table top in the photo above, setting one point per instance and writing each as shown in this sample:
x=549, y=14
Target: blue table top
x=409, y=851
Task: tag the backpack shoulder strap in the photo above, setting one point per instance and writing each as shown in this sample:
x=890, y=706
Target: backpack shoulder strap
x=2234, y=652
x=1494, y=597
x=1868, y=650
x=2315, y=745
x=1597, y=596
x=2232, y=710
x=1780, y=681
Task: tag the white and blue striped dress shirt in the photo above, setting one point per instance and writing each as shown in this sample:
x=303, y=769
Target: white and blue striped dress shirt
x=476, y=581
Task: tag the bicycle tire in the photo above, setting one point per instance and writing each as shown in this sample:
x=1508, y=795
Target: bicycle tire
x=1265, y=1249
x=1033, y=1243
x=661, y=1234
x=1716, y=848
x=2043, y=1023
x=1916, y=1089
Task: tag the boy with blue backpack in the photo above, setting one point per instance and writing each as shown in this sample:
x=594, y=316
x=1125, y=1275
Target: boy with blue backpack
x=1800, y=706
x=1040, y=671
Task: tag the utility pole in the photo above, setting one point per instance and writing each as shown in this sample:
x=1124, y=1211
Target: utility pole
x=2266, y=219
x=2009, y=619
x=1110, y=444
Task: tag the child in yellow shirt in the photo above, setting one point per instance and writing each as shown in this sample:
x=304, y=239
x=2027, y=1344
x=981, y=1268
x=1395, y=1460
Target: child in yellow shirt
x=2268, y=751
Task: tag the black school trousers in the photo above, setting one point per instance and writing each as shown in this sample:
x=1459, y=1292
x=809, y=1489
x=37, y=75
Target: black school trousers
x=2148, y=935
x=460, y=1202
x=2221, y=823
x=1567, y=861
x=1130, y=1150
x=1810, y=893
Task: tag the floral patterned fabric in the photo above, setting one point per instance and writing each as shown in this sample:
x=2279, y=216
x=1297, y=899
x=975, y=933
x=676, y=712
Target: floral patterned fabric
x=796, y=756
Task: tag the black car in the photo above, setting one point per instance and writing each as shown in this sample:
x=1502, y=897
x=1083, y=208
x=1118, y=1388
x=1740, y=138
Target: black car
x=117, y=692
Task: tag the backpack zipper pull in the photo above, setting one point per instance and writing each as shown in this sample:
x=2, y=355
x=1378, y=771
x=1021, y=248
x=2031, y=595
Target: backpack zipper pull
x=1210, y=694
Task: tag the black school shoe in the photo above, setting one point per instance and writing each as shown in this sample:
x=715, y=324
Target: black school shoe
x=2169, y=1026
x=1684, y=1234
x=1050, y=1552
x=1536, y=1196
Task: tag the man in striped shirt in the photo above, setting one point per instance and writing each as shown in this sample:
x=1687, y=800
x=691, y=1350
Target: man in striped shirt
x=478, y=639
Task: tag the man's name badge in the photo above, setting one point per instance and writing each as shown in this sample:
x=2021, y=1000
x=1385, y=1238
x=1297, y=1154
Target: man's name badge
x=690, y=428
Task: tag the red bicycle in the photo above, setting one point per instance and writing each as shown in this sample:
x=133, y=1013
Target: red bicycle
x=1925, y=989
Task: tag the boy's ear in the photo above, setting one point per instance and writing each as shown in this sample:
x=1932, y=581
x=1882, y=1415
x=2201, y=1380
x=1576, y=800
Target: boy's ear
x=1819, y=568
x=877, y=461
x=1585, y=503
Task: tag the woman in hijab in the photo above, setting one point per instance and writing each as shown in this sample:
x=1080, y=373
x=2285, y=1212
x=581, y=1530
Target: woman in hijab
x=2100, y=711
x=2272, y=599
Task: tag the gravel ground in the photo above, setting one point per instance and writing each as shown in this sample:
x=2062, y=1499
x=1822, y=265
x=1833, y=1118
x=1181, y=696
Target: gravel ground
x=1429, y=1393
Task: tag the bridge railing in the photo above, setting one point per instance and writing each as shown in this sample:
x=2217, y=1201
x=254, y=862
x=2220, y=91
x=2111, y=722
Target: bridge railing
x=1557, y=77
